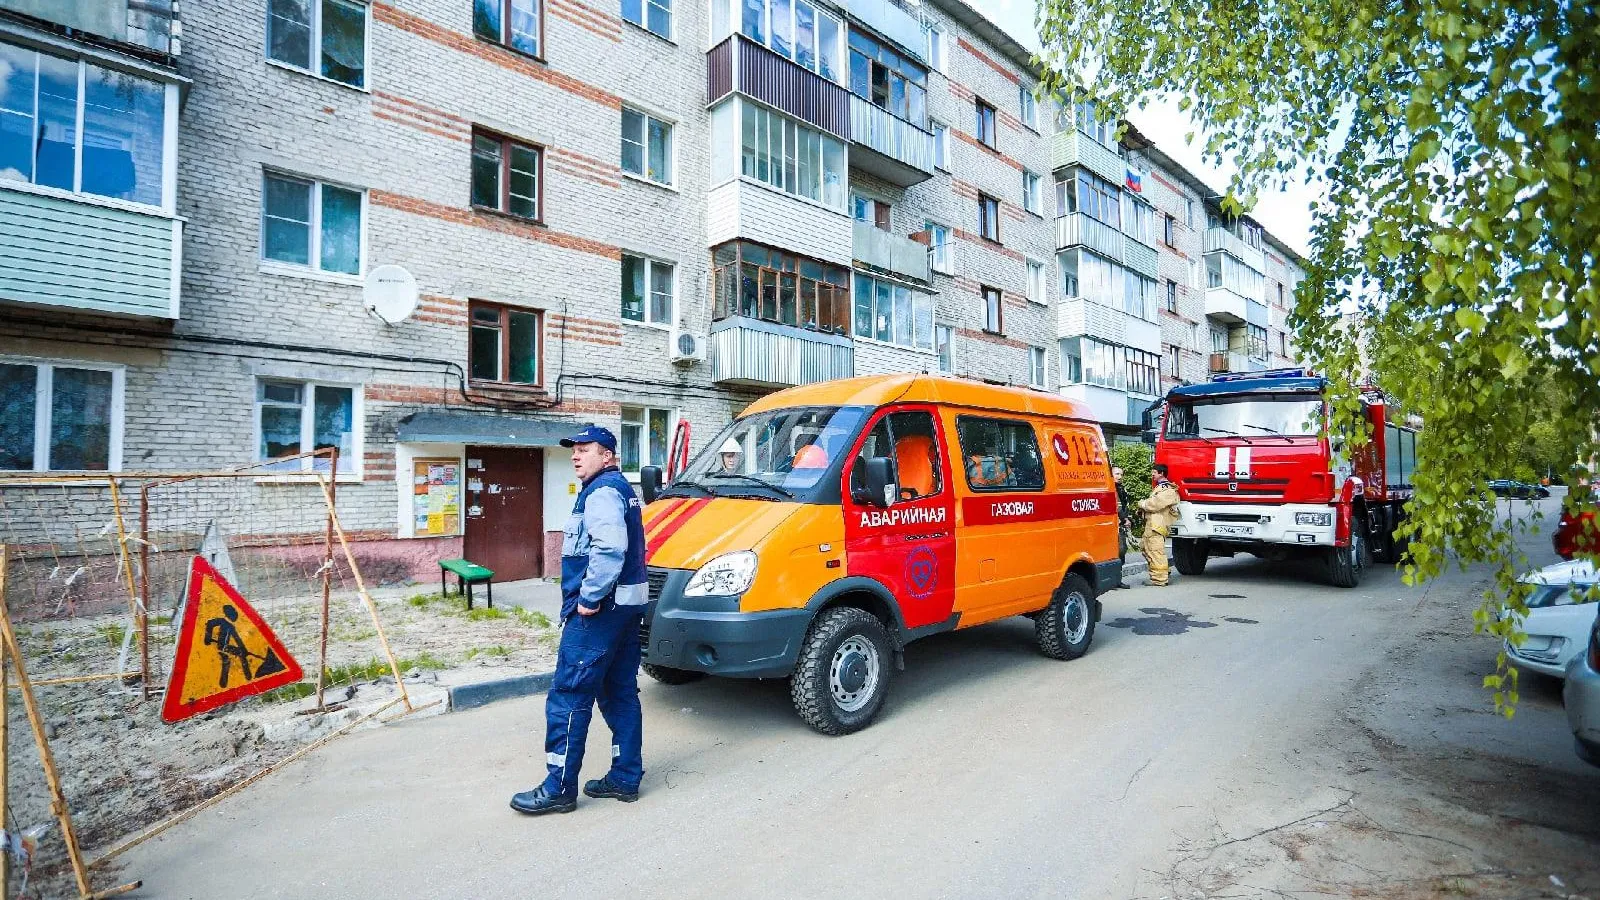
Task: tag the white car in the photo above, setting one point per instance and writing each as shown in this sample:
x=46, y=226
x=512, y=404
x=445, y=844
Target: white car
x=1558, y=621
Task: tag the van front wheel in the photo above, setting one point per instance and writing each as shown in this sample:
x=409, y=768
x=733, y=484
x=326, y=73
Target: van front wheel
x=1065, y=627
x=669, y=675
x=842, y=675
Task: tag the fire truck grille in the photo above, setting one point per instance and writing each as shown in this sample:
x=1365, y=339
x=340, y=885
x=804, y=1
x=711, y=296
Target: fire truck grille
x=1243, y=491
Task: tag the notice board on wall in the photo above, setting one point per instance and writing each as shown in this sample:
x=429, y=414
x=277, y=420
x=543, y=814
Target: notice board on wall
x=436, y=496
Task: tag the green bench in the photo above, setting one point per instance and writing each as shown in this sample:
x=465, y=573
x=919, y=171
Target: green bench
x=467, y=574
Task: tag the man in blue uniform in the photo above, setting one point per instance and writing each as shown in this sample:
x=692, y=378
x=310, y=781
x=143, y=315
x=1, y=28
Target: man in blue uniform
x=603, y=596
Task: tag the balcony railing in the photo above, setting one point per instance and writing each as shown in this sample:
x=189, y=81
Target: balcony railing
x=65, y=254
x=1227, y=306
x=1076, y=316
x=1071, y=147
x=894, y=23
x=1139, y=257
x=1231, y=361
x=901, y=153
x=1230, y=243
x=755, y=353
x=739, y=64
x=1079, y=230
x=878, y=249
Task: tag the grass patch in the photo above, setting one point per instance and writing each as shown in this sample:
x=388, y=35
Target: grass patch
x=113, y=632
x=531, y=618
x=483, y=614
x=498, y=651
x=290, y=692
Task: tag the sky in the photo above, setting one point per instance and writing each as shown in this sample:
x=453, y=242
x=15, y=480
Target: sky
x=1286, y=214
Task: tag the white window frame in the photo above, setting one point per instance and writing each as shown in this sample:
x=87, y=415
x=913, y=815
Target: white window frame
x=314, y=263
x=1028, y=106
x=1036, y=367
x=316, y=46
x=642, y=420
x=941, y=254
x=649, y=286
x=644, y=13
x=941, y=144
x=1038, y=290
x=946, y=351
x=1032, y=193
x=308, y=427
x=938, y=50
x=44, y=386
x=644, y=145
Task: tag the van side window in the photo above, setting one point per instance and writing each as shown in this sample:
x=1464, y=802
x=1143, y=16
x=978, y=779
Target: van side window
x=1000, y=454
x=909, y=439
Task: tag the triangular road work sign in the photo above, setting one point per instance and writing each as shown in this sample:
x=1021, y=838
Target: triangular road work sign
x=225, y=651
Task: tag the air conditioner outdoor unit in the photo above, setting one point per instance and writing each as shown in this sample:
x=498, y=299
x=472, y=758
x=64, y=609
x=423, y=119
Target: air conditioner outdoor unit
x=686, y=347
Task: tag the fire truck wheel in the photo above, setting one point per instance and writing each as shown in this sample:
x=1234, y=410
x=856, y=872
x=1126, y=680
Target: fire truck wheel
x=669, y=675
x=1065, y=627
x=1189, y=555
x=1345, y=564
x=842, y=675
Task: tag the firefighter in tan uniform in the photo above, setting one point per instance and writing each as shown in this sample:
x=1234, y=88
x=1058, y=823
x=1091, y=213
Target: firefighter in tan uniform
x=1161, y=511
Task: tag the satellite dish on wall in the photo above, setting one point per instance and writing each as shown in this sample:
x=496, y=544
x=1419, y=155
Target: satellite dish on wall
x=390, y=293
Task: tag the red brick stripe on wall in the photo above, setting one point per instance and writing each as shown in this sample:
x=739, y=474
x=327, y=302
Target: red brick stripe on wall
x=988, y=149
x=489, y=222
x=987, y=338
x=988, y=61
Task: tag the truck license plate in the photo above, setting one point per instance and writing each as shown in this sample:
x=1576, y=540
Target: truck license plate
x=1232, y=529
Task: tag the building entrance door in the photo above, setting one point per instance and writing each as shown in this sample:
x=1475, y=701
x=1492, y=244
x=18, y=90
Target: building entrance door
x=507, y=533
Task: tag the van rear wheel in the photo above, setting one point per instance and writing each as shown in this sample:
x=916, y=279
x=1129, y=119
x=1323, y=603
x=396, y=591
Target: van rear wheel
x=669, y=675
x=1065, y=627
x=842, y=676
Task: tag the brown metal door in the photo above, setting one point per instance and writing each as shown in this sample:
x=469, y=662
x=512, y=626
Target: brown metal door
x=505, y=514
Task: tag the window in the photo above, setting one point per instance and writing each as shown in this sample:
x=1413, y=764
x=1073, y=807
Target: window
x=989, y=217
x=887, y=79
x=799, y=30
x=1219, y=340
x=941, y=343
x=60, y=417
x=75, y=126
x=1088, y=122
x=652, y=15
x=941, y=145
x=1089, y=361
x=1172, y=297
x=1169, y=232
x=1138, y=220
x=1281, y=304
x=993, y=310
x=1088, y=193
x=910, y=440
x=646, y=146
x=1258, y=341
x=296, y=417
x=1188, y=212
x=647, y=290
x=941, y=249
x=1092, y=277
x=337, y=28
x=645, y=436
x=1138, y=295
x=984, y=131
x=1031, y=200
x=506, y=175
x=1144, y=371
x=504, y=345
x=1036, y=286
x=937, y=48
x=1223, y=271
x=1283, y=343
x=307, y=223
x=999, y=454
x=1036, y=367
x=1172, y=361
x=518, y=24
x=1028, y=106
x=870, y=210
x=893, y=313
x=762, y=283
x=780, y=152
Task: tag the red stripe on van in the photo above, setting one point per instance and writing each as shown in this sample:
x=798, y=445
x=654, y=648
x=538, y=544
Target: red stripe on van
x=994, y=509
x=665, y=534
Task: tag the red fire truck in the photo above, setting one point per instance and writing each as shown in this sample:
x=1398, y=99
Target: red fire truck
x=1256, y=474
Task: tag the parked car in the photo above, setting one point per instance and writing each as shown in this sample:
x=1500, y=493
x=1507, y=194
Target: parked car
x=1573, y=527
x=1559, y=618
x=1582, y=697
x=1505, y=487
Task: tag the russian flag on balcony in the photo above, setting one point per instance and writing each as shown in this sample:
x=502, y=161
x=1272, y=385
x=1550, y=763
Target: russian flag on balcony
x=1135, y=182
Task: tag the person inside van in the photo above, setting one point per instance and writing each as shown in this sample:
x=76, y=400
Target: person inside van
x=731, y=452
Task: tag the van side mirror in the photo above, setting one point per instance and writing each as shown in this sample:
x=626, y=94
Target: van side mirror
x=882, y=487
x=650, y=483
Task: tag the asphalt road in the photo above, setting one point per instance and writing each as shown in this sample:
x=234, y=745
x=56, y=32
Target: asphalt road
x=1203, y=712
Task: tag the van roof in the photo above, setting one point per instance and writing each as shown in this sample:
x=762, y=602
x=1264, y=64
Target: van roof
x=878, y=390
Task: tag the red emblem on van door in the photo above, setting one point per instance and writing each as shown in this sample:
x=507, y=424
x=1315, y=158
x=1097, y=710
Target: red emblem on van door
x=1059, y=444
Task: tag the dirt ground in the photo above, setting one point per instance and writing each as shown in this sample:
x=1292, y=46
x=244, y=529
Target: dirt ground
x=123, y=769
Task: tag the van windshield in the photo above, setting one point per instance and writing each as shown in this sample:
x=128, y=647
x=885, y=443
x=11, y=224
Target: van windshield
x=781, y=454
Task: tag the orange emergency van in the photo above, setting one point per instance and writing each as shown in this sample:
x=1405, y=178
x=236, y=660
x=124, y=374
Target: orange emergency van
x=832, y=524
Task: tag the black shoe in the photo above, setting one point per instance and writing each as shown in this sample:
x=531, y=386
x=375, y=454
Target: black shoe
x=538, y=801
x=601, y=788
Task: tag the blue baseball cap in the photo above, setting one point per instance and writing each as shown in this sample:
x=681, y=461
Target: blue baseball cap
x=594, y=434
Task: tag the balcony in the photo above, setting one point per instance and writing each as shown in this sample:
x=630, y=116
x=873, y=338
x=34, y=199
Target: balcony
x=1079, y=230
x=891, y=253
x=739, y=64
x=892, y=22
x=898, y=151
x=1226, y=241
x=1230, y=361
x=749, y=210
x=92, y=258
x=1110, y=406
x=1076, y=317
x=1139, y=257
x=1224, y=305
x=1071, y=147
x=753, y=353
x=150, y=24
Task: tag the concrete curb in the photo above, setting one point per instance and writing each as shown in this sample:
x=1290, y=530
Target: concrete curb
x=472, y=696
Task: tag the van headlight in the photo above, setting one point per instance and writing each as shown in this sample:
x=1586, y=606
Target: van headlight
x=1323, y=519
x=728, y=575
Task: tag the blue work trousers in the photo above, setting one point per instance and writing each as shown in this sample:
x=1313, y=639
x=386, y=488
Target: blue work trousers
x=598, y=663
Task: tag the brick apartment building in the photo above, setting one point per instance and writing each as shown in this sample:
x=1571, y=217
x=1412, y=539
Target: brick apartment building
x=636, y=214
